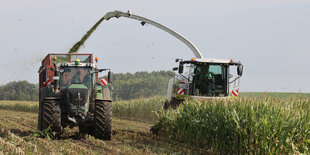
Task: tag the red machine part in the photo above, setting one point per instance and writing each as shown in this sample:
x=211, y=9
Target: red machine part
x=46, y=71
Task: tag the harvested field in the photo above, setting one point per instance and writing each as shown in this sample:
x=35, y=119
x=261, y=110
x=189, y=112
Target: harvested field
x=19, y=135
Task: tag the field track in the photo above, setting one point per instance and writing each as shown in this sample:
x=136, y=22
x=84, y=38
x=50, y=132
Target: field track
x=17, y=136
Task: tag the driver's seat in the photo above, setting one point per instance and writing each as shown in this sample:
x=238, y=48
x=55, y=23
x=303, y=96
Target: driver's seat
x=218, y=84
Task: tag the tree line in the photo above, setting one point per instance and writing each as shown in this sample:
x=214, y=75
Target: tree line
x=140, y=84
x=19, y=90
x=125, y=86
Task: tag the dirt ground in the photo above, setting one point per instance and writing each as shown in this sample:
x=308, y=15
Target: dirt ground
x=18, y=136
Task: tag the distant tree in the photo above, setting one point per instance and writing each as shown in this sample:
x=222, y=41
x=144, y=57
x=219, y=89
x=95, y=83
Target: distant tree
x=19, y=90
x=140, y=84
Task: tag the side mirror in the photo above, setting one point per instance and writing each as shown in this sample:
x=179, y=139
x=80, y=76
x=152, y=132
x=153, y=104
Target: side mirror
x=239, y=70
x=175, y=68
x=181, y=67
x=110, y=77
x=177, y=60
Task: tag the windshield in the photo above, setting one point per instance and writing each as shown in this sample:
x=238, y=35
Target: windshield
x=74, y=75
x=209, y=79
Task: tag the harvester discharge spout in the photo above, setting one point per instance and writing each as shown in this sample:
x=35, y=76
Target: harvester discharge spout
x=144, y=20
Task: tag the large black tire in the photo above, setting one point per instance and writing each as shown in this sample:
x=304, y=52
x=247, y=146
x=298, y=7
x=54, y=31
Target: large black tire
x=52, y=116
x=174, y=103
x=166, y=105
x=40, y=116
x=103, y=120
x=43, y=94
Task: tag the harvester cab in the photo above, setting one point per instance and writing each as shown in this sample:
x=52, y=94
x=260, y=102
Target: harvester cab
x=72, y=95
x=204, y=79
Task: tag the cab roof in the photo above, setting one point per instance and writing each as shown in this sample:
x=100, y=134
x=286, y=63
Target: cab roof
x=211, y=60
x=205, y=60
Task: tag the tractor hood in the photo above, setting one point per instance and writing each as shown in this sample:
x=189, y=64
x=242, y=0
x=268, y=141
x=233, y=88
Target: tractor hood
x=76, y=98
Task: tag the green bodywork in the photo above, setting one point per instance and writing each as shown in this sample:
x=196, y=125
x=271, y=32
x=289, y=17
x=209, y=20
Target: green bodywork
x=85, y=108
x=67, y=83
x=98, y=92
x=81, y=86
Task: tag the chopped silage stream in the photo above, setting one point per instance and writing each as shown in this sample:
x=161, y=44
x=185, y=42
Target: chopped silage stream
x=77, y=45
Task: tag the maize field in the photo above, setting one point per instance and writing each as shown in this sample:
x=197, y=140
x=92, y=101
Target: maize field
x=254, y=125
x=246, y=125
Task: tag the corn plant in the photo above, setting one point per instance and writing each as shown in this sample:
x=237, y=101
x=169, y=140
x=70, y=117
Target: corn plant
x=247, y=125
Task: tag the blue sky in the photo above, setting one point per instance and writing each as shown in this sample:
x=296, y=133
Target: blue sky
x=271, y=38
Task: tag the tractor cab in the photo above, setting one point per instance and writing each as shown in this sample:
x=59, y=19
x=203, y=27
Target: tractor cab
x=76, y=77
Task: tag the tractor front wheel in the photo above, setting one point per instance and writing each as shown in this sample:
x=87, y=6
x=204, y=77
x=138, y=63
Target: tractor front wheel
x=103, y=120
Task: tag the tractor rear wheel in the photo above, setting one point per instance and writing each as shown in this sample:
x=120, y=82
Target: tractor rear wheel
x=43, y=94
x=40, y=116
x=103, y=120
x=52, y=116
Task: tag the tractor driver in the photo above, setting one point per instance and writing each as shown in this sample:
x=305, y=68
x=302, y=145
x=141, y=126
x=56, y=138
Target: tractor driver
x=82, y=76
x=86, y=78
x=207, y=79
x=76, y=78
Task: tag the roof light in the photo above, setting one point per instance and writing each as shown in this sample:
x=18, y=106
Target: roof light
x=96, y=59
x=231, y=60
x=55, y=58
x=193, y=59
x=77, y=61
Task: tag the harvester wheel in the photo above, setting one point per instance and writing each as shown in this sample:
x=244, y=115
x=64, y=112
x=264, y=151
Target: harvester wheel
x=174, y=103
x=166, y=105
x=103, y=120
x=52, y=116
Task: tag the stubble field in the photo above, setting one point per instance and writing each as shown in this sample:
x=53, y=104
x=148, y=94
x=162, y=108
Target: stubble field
x=131, y=133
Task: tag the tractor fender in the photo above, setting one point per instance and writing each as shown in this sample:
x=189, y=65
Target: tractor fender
x=43, y=93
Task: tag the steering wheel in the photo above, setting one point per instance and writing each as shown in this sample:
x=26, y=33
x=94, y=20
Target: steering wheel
x=209, y=78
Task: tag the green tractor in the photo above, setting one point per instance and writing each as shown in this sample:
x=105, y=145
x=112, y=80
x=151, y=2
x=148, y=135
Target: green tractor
x=72, y=95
